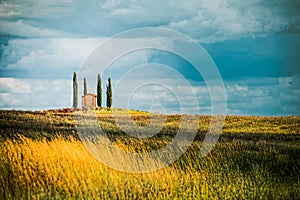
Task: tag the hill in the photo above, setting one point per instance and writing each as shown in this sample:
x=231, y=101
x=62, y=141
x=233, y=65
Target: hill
x=42, y=156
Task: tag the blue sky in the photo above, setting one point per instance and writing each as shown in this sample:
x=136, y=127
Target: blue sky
x=255, y=45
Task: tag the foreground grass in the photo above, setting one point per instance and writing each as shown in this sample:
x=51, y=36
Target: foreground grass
x=245, y=164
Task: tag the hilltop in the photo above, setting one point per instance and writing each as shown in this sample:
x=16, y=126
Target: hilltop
x=49, y=123
x=41, y=156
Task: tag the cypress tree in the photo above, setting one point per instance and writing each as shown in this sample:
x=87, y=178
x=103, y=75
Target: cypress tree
x=108, y=94
x=75, y=91
x=99, y=91
x=84, y=87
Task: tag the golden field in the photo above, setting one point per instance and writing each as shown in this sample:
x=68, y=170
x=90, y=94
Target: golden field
x=41, y=157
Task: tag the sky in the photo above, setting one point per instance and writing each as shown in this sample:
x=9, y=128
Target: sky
x=255, y=46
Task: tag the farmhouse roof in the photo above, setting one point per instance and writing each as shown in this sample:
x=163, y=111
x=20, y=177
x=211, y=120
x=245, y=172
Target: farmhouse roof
x=89, y=94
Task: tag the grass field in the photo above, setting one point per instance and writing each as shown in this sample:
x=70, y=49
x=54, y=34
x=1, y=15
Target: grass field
x=41, y=157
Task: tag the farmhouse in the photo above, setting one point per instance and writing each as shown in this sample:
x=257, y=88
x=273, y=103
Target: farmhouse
x=89, y=101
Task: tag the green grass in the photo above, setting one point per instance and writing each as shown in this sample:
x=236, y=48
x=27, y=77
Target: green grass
x=41, y=156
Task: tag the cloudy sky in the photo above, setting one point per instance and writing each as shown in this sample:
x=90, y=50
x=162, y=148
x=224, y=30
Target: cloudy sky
x=254, y=44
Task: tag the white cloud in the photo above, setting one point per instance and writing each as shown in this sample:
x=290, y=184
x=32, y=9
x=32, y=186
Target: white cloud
x=110, y=4
x=9, y=10
x=35, y=93
x=47, y=53
x=9, y=101
x=36, y=9
x=221, y=20
x=14, y=86
x=22, y=28
x=9, y=14
x=133, y=10
x=266, y=96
